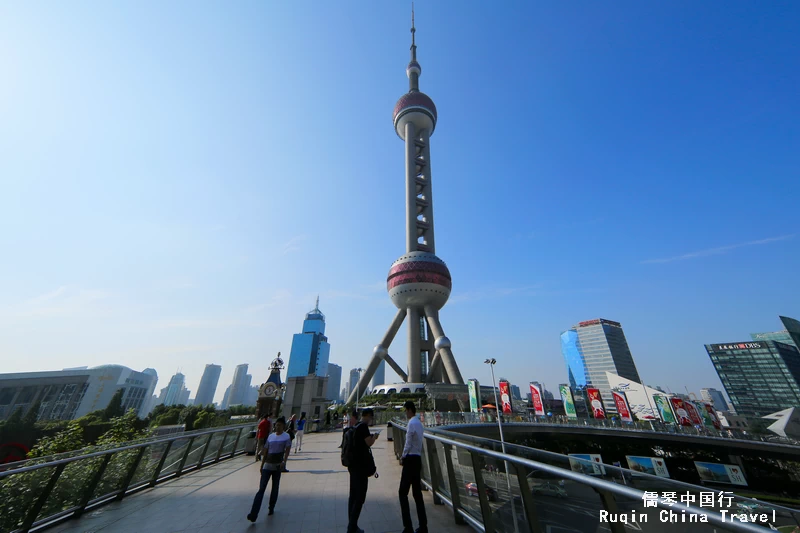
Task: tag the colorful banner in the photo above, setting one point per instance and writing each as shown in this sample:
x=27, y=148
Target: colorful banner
x=596, y=402
x=569, y=402
x=694, y=412
x=720, y=473
x=505, y=396
x=536, y=400
x=664, y=409
x=710, y=414
x=587, y=463
x=681, y=414
x=622, y=406
x=654, y=466
x=474, y=395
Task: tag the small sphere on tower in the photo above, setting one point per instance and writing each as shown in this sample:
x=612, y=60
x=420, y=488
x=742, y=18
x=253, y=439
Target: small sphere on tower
x=419, y=279
x=416, y=107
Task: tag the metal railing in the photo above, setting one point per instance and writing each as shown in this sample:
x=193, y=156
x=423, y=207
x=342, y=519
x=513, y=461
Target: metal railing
x=473, y=481
x=36, y=493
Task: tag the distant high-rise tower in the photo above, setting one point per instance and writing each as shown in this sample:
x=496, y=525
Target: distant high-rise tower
x=239, y=385
x=352, y=382
x=716, y=398
x=591, y=349
x=208, y=385
x=419, y=282
x=310, y=349
x=174, y=392
x=334, y=381
x=380, y=376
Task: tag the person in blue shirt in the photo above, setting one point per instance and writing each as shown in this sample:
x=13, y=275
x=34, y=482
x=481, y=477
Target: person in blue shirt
x=301, y=426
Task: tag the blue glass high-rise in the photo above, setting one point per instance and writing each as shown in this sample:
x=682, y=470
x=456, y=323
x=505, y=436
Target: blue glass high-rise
x=310, y=349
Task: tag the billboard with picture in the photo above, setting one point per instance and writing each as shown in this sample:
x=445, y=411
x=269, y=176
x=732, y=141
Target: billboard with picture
x=587, y=463
x=569, y=402
x=622, y=406
x=640, y=397
x=694, y=412
x=709, y=414
x=721, y=473
x=505, y=396
x=681, y=414
x=664, y=408
x=474, y=395
x=596, y=403
x=654, y=466
x=536, y=399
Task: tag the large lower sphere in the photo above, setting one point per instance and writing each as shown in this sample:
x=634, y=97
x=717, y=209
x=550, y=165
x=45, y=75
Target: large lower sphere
x=419, y=279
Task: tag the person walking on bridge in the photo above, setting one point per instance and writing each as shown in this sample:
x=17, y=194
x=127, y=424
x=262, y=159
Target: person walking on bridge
x=361, y=467
x=412, y=471
x=301, y=426
x=275, y=453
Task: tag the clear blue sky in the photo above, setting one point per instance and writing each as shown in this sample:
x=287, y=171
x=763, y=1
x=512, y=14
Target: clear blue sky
x=179, y=180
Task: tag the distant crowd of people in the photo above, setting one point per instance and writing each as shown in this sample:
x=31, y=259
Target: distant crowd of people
x=274, y=444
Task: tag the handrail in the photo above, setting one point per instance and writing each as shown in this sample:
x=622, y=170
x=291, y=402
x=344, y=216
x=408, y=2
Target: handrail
x=558, y=456
x=599, y=485
x=100, y=453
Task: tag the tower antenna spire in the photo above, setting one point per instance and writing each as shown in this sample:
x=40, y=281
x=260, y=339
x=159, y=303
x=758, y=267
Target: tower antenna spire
x=316, y=307
x=414, y=70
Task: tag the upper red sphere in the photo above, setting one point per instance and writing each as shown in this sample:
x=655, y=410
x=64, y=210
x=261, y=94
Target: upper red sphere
x=414, y=101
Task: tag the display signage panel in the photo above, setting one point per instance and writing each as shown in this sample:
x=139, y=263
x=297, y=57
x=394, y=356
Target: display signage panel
x=569, y=402
x=622, y=406
x=596, y=403
x=505, y=396
x=536, y=400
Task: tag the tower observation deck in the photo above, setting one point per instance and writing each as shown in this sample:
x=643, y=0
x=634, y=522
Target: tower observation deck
x=419, y=283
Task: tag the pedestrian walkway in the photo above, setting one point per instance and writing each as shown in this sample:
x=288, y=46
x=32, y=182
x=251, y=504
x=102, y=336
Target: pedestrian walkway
x=313, y=498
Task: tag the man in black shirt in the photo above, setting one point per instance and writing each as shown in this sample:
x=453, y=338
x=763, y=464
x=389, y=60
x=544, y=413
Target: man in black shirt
x=362, y=441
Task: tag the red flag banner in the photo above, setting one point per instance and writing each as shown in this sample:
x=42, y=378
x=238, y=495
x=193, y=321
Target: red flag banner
x=596, y=401
x=505, y=396
x=536, y=399
x=622, y=406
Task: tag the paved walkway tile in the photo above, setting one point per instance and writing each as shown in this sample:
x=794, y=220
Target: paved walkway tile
x=313, y=498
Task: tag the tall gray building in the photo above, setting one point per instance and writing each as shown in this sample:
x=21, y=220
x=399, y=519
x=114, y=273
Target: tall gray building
x=716, y=398
x=239, y=385
x=334, y=381
x=74, y=392
x=208, y=385
x=591, y=349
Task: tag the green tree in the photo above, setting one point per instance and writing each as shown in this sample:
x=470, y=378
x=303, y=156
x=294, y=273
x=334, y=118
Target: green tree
x=32, y=416
x=123, y=429
x=66, y=440
x=114, y=408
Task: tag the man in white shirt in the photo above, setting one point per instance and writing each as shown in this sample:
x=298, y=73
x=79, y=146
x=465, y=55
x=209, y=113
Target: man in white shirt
x=412, y=471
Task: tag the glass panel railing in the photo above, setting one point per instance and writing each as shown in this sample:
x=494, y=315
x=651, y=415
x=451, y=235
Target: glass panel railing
x=174, y=458
x=18, y=494
x=116, y=472
x=441, y=457
x=198, y=446
x=230, y=440
x=243, y=439
x=213, y=447
x=71, y=487
x=465, y=483
x=147, y=466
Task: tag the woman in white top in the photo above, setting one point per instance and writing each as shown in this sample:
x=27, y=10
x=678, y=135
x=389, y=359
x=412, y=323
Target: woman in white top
x=276, y=452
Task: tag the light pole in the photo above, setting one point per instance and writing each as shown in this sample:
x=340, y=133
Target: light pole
x=491, y=363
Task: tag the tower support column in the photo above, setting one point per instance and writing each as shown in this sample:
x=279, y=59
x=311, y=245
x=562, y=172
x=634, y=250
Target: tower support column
x=381, y=352
x=414, y=363
x=411, y=188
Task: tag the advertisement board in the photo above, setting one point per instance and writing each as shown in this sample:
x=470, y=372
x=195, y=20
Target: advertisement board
x=639, y=397
x=622, y=406
x=587, y=463
x=505, y=396
x=720, y=473
x=654, y=466
x=474, y=395
x=664, y=409
x=737, y=346
x=596, y=403
x=681, y=414
x=536, y=400
x=711, y=415
x=694, y=412
x=569, y=402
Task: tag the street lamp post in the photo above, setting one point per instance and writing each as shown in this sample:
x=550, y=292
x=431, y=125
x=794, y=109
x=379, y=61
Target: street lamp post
x=498, y=407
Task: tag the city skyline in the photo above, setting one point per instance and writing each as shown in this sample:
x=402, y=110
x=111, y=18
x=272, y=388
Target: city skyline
x=172, y=204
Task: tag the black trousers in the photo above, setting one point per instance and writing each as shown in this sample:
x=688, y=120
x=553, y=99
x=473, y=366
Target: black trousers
x=358, y=495
x=273, y=496
x=410, y=478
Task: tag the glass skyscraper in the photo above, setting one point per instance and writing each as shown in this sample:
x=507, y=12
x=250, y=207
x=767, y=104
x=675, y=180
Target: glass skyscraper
x=591, y=349
x=760, y=377
x=334, y=381
x=310, y=349
x=208, y=385
x=790, y=335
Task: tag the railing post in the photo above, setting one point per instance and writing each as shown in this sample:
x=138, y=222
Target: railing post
x=527, y=500
x=179, y=471
x=222, y=445
x=87, y=495
x=160, y=466
x=486, y=509
x=37, y=506
x=455, y=496
x=236, y=442
x=205, y=451
x=433, y=468
x=610, y=505
x=129, y=475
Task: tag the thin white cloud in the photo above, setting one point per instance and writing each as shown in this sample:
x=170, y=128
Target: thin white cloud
x=718, y=250
x=65, y=300
x=293, y=244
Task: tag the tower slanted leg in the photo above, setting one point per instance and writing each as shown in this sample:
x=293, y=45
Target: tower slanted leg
x=414, y=363
x=380, y=353
x=442, y=345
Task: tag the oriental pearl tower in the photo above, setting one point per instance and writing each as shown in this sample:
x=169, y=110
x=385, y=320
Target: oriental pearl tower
x=419, y=282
